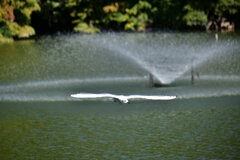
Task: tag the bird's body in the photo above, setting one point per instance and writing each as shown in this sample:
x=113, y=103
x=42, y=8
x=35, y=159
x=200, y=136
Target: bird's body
x=121, y=98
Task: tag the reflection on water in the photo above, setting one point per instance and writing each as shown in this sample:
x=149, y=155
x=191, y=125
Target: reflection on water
x=195, y=129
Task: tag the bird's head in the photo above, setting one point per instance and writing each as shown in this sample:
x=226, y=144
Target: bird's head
x=121, y=100
x=125, y=101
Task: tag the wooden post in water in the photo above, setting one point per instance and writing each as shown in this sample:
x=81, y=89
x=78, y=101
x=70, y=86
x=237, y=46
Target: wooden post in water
x=151, y=82
x=192, y=75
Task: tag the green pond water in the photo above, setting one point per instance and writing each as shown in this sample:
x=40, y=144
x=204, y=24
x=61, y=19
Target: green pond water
x=39, y=119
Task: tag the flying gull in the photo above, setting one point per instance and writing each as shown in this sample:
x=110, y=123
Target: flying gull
x=121, y=98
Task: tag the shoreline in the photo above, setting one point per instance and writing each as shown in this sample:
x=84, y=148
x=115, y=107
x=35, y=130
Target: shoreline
x=4, y=40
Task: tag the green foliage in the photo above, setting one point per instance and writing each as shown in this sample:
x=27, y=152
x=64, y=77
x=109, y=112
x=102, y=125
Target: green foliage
x=20, y=18
x=84, y=27
x=24, y=9
x=133, y=18
x=229, y=6
x=13, y=29
x=5, y=39
x=194, y=17
x=119, y=17
x=205, y=13
x=139, y=16
x=15, y=17
x=83, y=15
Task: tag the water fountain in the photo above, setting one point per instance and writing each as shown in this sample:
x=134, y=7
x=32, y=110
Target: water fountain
x=166, y=56
x=51, y=69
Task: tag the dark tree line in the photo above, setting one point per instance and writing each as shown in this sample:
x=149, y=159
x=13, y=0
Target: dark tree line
x=24, y=18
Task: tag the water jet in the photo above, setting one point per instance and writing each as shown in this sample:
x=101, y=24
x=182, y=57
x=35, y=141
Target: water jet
x=119, y=63
x=166, y=58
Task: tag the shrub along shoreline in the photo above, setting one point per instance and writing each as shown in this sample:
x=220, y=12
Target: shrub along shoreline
x=25, y=18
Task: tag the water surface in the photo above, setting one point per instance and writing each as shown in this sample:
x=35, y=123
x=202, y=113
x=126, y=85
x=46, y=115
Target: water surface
x=39, y=120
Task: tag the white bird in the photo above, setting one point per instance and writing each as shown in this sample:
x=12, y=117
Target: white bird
x=121, y=98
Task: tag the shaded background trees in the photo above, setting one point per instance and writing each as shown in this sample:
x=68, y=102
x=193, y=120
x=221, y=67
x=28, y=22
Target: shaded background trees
x=24, y=18
x=15, y=18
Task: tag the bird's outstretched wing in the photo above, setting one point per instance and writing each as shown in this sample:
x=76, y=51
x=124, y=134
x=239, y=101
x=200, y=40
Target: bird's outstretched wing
x=101, y=96
x=150, y=97
x=92, y=95
x=121, y=98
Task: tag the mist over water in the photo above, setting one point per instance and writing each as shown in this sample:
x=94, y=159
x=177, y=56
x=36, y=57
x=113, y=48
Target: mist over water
x=51, y=68
x=166, y=56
